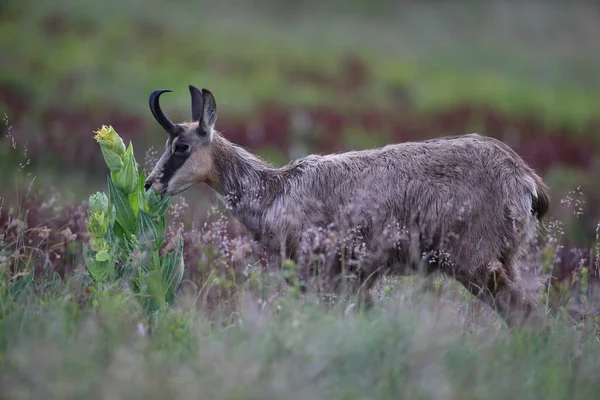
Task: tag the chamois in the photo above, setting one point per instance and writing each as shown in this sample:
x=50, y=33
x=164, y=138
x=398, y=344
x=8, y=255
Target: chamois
x=467, y=205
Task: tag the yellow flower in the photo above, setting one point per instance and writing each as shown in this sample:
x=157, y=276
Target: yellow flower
x=112, y=146
x=97, y=224
x=109, y=139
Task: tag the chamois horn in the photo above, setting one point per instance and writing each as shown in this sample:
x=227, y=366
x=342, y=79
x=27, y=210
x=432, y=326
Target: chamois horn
x=158, y=113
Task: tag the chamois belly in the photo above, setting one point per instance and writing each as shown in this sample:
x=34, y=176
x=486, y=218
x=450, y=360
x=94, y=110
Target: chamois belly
x=422, y=226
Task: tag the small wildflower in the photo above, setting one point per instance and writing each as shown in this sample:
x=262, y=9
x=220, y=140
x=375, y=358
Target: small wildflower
x=43, y=232
x=575, y=201
x=68, y=235
x=151, y=158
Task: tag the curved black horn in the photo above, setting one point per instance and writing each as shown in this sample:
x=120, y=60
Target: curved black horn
x=158, y=113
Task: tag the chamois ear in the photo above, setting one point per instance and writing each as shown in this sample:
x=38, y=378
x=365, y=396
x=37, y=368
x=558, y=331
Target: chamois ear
x=197, y=103
x=209, y=114
x=204, y=110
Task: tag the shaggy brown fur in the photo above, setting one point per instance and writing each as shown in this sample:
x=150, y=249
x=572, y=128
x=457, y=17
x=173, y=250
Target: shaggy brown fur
x=467, y=206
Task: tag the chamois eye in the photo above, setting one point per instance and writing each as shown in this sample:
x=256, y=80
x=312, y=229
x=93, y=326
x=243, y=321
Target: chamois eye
x=181, y=148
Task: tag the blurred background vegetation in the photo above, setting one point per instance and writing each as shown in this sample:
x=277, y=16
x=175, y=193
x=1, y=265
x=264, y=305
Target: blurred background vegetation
x=294, y=77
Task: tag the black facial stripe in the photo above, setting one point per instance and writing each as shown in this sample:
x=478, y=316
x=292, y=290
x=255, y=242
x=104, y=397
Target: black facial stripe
x=174, y=162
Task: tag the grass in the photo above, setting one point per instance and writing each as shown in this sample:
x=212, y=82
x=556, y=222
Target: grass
x=60, y=344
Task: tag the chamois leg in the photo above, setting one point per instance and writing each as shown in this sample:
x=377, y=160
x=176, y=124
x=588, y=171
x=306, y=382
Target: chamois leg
x=493, y=284
x=365, y=299
x=356, y=287
x=362, y=291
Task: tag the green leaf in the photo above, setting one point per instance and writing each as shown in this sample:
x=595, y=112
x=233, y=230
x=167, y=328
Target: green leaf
x=124, y=214
x=161, y=207
x=112, y=234
x=23, y=283
x=154, y=289
x=156, y=204
x=134, y=202
x=112, y=216
x=142, y=181
x=141, y=191
x=102, y=255
x=127, y=178
x=172, y=268
x=99, y=271
x=151, y=198
x=113, y=161
x=150, y=232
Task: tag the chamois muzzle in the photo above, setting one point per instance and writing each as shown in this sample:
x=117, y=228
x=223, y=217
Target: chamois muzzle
x=159, y=115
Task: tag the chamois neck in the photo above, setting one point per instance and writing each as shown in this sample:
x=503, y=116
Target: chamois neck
x=243, y=181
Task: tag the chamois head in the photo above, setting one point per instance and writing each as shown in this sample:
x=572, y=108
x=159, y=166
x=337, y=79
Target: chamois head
x=188, y=156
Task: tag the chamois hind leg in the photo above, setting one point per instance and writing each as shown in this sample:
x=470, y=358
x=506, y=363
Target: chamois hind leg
x=494, y=283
